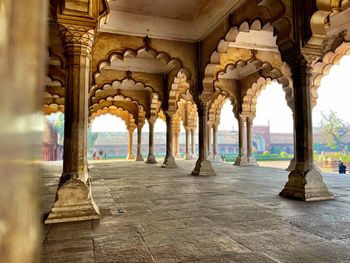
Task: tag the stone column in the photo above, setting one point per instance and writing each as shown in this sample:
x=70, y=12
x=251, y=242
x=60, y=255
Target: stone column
x=176, y=143
x=292, y=162
x=304, y=182
x=187, y=145
x=73, y=200
x=250, y=158
x=193, y=144
x=151, y=159
x=209, y=152
x=23, y=51
x=241, y=158
x=216, y=155
x=169, y=160
x=139, y=144
x=203, y=166
x=130, y=144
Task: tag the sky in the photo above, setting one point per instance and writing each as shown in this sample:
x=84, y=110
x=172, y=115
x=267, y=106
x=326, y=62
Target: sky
x=271, y=106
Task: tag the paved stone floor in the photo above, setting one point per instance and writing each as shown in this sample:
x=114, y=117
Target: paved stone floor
x=171, y=216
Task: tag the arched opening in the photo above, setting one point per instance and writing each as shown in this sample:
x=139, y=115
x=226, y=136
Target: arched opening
x=227, y=133
x=273, y=136
x=108, y=138
x=331, y=121
x=160, y=137
x=53, y=137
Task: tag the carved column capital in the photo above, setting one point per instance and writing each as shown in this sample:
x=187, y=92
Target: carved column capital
x=77, y=39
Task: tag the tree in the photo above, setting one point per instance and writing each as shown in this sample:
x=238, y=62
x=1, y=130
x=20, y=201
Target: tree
x=334, y=129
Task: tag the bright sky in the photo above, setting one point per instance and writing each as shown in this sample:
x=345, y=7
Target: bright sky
x=334, y=92
x=271, y=106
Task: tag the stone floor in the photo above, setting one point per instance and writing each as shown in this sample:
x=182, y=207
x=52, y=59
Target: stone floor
x=151, y=214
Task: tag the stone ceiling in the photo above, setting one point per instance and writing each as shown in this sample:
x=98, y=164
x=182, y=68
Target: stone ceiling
x=176, y=20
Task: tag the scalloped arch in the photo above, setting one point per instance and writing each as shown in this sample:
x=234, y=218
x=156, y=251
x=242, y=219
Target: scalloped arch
x=274, y=11
x=321, y=69
x=142, y=52
x=252, y=94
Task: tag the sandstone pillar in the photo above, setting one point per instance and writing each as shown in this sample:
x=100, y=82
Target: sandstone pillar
x=187, y=145
x=23, y=51
x=130, y=144
x=241, y=158
x=304, y=182
x=203, y=166
x=193, y=144
x=169, y=160
x=73, y=200
x=176, y=143
x=216, y=155
x=250, y=158
x=151, y=159
x=139, y=144
x=209, y=149
x=292, y=162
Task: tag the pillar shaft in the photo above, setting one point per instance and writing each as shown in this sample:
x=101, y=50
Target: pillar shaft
x=215, y=146
x=76, y=110
x=188, y=155
x=249, y=137
x=193, y=146
x=241, y=158
x=187, y=145
x=304, y=182
x=151, y=158
x=130, y=145
x=139, y=144
x=73, y=199
x=209, y=139
x=203, y=166
x=241, y=131
x=169, y=160
x=250, y=158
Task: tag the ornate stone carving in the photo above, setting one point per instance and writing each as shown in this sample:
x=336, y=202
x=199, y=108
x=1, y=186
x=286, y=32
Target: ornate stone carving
x=330, y=44
x=73, y=35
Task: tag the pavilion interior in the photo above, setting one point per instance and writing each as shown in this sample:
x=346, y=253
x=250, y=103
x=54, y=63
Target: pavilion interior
x=178, y=61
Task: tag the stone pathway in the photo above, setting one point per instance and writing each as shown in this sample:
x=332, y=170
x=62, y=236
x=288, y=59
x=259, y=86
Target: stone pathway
x=151, y=214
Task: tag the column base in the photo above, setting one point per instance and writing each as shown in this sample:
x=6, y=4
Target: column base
x=252, y=161
x=291, y=166
x=188, y=156
x=203, y=168
x=241, y=160
x=306, y=186
x=139, y=158
x=130, y=157
x=217, y=158
x=151, y=159
x=73, y=203
x=169, y=162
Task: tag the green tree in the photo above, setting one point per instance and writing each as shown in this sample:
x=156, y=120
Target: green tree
x=334, y=129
